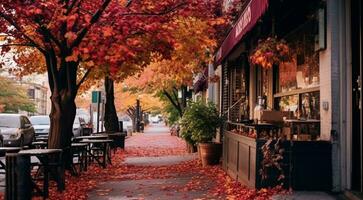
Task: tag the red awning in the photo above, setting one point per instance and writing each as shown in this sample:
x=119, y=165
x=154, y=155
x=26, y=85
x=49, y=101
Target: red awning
x=250, y=15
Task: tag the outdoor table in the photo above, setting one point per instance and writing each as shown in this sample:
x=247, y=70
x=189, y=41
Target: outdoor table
x=40, y=144
x=105, y=147
x=90, y=137
x=3, y=151
x=43, y=155
x=80, y=150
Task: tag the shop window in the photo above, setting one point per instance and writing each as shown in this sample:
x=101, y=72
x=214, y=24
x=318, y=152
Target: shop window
x=298, y=80
x=303, y=71
x=238, y=93
x=303, y=105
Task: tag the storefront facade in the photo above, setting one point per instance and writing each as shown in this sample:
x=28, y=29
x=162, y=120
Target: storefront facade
x=319, y=84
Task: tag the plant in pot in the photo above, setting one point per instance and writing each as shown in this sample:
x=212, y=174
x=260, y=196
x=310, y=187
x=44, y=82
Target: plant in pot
x=200, y=121
x=191, y=144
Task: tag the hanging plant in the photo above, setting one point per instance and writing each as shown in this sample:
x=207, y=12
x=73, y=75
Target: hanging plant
x=269, y=52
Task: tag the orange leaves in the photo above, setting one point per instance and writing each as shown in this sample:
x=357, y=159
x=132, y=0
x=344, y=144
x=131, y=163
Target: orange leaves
x=125, y=99
x=87, y=18
x=71, y=20
x=211, y=180
x=107, y=31
x=70, y=36
x=191, y=38
x=73, y=57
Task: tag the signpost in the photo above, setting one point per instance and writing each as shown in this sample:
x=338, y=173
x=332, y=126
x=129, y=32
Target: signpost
x=96, y=99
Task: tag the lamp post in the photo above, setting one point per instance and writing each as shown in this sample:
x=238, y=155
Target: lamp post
x=138, y=111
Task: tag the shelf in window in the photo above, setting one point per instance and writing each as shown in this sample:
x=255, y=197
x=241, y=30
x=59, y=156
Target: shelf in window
x=297, y=91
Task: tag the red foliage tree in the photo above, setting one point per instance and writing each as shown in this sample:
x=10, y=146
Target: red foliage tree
x=75, y=36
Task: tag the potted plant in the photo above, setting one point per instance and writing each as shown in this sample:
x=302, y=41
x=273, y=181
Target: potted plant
x=200, y=121
x=191, y=144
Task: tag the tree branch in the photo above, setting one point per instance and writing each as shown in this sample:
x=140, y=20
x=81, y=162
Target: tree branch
x=24, y=45
x=70, y=7
x=177, y=106
x=47, y=32
x=175, y=93
x=94, y=19
x=83, y=79
x=17, y=27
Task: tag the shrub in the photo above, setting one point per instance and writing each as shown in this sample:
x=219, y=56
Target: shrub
x=200, y=122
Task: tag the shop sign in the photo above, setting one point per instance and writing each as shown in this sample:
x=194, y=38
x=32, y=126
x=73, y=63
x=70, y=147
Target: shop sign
x=250, y=15
x=244, y=21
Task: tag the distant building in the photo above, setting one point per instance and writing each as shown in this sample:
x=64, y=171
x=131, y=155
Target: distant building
x=39, y=95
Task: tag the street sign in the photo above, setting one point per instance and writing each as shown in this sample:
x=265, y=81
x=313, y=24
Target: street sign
x=96, y=96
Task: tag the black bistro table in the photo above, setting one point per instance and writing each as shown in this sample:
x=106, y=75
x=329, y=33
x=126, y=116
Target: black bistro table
x=3, y=151
x=103, y=145
x=44, y=156
x=79, y=150
x=91, y=137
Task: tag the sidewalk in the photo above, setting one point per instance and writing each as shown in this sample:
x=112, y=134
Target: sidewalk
x=158, y=171
x=156, y=166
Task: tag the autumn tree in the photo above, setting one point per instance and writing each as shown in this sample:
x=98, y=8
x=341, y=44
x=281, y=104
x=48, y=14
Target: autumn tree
x=13, y=97
x=154, y=36
x=73, y=37
x=195, y=39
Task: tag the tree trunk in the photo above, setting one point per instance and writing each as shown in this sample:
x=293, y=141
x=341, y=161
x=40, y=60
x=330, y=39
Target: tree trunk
x=111, y=119
x=63, y=112
x=175, y=102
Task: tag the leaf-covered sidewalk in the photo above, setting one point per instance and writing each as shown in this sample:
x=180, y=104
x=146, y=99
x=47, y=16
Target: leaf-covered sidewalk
x=155, y=165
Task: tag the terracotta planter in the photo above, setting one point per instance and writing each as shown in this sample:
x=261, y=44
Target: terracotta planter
x=210, y=153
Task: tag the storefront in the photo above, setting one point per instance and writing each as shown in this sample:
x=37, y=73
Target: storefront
x=289, y=89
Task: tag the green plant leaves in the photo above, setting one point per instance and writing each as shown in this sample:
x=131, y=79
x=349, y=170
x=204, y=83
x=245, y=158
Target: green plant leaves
x=200, y=122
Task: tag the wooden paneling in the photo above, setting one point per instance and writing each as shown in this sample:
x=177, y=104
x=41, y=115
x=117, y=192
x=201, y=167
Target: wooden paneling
x=240, y=158
x=243, y=161
x=310, y=160
x=232, y=158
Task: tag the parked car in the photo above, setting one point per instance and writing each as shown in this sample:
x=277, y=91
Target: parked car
x=16, y=130
x=41, y=124
x=126, y=123
x=155, y=120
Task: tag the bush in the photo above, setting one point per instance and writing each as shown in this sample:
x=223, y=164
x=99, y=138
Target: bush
x=200, y=122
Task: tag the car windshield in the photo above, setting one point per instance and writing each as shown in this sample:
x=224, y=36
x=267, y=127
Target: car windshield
x=10, y=121
x=40, y=120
